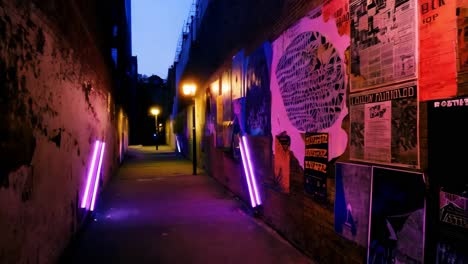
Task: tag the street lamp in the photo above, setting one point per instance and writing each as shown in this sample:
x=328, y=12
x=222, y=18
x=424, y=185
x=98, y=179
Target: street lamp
x=190, y=90
x=155, y=111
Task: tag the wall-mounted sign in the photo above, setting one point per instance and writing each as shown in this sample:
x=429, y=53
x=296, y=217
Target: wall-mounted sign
x=316, y=165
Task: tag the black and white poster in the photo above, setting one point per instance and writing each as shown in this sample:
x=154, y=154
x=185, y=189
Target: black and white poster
x=397, y=217
x=383, y=42
x=384, y=126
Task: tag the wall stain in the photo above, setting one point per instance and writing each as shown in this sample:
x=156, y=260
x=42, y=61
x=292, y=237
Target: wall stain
x=27, y=192
x=57, y=139
x=40, y=41
x=16, y=130
x=87, y=87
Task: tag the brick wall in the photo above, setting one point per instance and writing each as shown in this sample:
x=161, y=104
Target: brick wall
x=55, y=101
x=303, y=222
x=231, y=26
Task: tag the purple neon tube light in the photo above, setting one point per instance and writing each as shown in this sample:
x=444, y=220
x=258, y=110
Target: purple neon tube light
x=96, y=182
x=247, y=177
x=247, y=152
x=84, y=202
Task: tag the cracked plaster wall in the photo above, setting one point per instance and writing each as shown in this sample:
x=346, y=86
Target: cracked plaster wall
x=55, y=101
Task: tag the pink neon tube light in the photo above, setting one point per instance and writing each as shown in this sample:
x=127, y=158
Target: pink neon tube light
x=96, y=183
x=247, y=177
x=84, y=202
x=252, y=175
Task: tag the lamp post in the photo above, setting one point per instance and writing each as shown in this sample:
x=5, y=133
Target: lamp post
x=190, y=90
x=155, y=111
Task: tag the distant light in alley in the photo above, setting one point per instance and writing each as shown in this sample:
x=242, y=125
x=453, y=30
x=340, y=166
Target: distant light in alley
x=189, y=89
x=178, y=146
x=155, y=111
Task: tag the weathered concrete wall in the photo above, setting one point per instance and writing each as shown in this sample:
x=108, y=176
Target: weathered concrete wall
x=55, y=101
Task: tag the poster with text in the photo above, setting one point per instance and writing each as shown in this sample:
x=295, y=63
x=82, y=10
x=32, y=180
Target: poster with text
x=258, y=96
x=384, y=126
x=454, y=211
x=309, y=82
x=437, y=56
x=397, y=217
x=383, y=42
x=352, y=201
x=316, y=165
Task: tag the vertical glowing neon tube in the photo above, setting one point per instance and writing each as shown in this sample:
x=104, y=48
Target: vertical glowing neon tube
x=247, y=177
x=254, y=180
x=84, y=202
x=96, y=182
x=178, y=146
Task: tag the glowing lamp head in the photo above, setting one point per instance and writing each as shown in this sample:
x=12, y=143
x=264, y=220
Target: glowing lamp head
x=189, y=89
x=154, y=111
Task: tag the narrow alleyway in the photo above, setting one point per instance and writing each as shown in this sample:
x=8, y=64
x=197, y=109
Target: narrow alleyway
x=155, y=211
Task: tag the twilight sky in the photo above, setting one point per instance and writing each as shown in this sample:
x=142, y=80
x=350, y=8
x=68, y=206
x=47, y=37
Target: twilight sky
x=156, y=27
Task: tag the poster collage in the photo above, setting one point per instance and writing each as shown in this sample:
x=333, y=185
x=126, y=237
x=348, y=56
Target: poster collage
x=380, y=208
x=399, y=58
x=384, y=57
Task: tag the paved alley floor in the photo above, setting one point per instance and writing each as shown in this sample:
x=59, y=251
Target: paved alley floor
x=155, y=211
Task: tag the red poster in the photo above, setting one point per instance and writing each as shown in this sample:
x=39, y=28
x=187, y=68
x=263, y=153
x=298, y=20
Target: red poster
x=438, y=63
x=339, y=10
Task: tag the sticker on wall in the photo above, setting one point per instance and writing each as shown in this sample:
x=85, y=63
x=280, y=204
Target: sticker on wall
x=397, y=217
x=280, y=179
x=383, y=42
x=316, y=165
x=384, y=126
x=308, y=83
x=437, y=56
x=258, y=97
x=352, y=201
